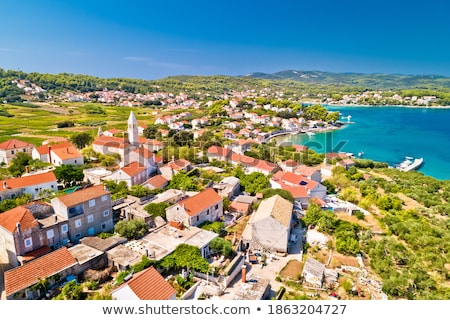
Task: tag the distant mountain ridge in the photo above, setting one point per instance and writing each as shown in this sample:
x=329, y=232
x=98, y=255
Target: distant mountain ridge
x=369, y=80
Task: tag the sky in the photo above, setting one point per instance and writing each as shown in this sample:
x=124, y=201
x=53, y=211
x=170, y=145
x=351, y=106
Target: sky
x=155, y=39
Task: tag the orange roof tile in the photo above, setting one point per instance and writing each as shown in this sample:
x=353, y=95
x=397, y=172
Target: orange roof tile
x=111, y=142
x=25, y=276
x=240, y=207
x=44, y=149
x=133, y=169
x=157, y=181
x=83, y=195
x=202, y=200
x=13, y=144
x=34, y=179
x=150, y=285
x=305, y=170
x=220, y=151
x=67, y=153
x=9, y=219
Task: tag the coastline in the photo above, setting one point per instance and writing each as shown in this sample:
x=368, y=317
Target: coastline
x=385, y=106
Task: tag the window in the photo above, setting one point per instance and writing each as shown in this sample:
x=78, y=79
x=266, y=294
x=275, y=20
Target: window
x=77, y=223
x=28, y=243
x=91, y=231
x=78, y=236
x=91, y=203
x=217, y=206
x=103, y=226
x=104, y=198
x=64, y=228
x=207, y=212
x=24, y=150
x=50, y=234
x=105, y=213
x=90, y=218
x=197, y=218
x=12, y=151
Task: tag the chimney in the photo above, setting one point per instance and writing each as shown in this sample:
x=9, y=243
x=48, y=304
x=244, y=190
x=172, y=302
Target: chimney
x=244, y=274
x=18, y=226
x=50, y=154
x=27, y=169
x=5, y=186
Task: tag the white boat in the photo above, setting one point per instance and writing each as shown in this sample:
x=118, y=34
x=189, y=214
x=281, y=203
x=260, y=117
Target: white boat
x=309, y=133
x=409, y=164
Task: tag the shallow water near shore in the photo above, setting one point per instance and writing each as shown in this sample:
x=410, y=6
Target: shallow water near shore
x=388, y=134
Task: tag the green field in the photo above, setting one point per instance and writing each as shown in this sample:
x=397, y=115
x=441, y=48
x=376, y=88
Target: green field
x=35, y=125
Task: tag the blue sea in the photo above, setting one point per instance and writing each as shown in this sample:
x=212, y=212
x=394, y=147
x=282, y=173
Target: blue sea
x=389, y=134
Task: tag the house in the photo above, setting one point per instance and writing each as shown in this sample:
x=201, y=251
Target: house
x=96, y=175
x=285, y=180
x=269, y=226
x=53, y=266
x=313, y=273
x=240, y=207
x=43, y=152
x=289, y=165
x=111, y=132
x=228, y=187
x=88, y=211
x=123, y=146
x=147, y=284
x=32, y=184
x=173, y=167
x=346, y=163
x=312, y=173
x=29, y=231
x=10, y=148
x=65, y=155
x=219, y=153
x=228, y=134
x=207, y=205
x=133, y=174
x=156, y=182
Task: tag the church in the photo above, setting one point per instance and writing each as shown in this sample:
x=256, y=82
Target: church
x=132, y=148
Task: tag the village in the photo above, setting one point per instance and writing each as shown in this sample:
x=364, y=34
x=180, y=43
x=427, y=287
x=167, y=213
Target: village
x=51, y=241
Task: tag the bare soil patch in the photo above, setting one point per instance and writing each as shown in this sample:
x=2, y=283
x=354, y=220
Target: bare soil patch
x=291, y=270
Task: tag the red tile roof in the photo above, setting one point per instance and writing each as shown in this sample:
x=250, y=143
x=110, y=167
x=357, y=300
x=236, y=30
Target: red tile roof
x=66, y=153
x=119, y=143
x=219, y=151
x=9, y=219
x=306, y=171
x=31, y=180
x=150, y=285
x=25, y=276
x=240, y=207
x=44, y=149
x=201, y=201
x=14, y=144
x=157, y=181
x=133, y=169
x=83, y=195
x=178, y=164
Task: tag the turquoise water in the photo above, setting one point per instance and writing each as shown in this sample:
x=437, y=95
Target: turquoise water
x=389, y=134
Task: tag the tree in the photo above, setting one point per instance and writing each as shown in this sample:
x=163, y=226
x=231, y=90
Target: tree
x=157, y=209
x=131, y=229
x=183, y=138
x=69, y=174
x=72, y=291
x=19, y=164
x=222, y=247
x=186, y=256
x=118, y=190
x=267, y=193
x=139, y=191
x=81, y=140
x=255, y=182
x=151, y=131
x=183, y=182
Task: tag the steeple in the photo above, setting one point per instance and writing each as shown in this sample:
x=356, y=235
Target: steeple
x=133, y=134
